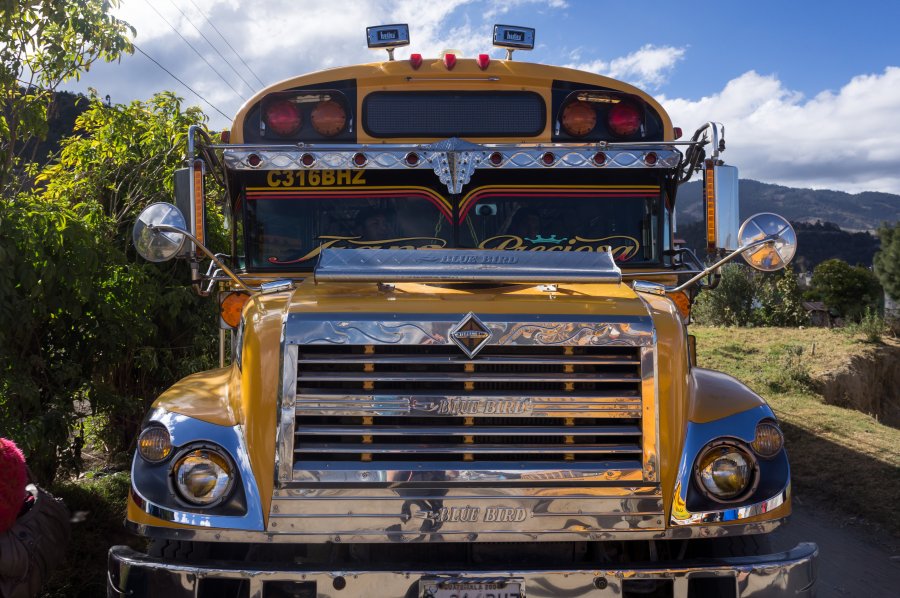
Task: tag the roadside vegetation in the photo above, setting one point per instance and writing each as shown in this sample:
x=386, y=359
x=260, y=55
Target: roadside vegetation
x=841, y=458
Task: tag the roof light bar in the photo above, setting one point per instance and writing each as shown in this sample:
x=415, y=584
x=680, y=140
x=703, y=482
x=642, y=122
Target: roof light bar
x=388, y=37
x=513, y=38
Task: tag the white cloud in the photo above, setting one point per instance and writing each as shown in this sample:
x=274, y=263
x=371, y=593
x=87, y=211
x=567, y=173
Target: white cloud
x=844, y=140
x=648, y=67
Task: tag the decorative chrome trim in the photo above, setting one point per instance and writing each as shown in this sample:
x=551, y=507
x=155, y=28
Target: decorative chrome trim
x=326, y=328
x=652, y=288
x=742, y=426
x=284, y=435
x=763, y=576
x=185, y=430
x=465, y=265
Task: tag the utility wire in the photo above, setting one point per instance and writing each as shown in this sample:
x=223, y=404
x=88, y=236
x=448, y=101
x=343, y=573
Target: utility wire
x=196, y=51
x=215, y=49
x=236, y=53
x=154, y=61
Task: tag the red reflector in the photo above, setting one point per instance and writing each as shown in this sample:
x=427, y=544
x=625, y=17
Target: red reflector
x=225, y=136
x=412, y=158
x=624, y=119
x=415, y=61
x=548, y=159
x=359, y=159
x=307, y=159
x=650, y=158
x=449, y=61
x=254, y=160
x=496, y=158
x=283, y=117
x=599, y=158
x=483, y=61
x=678, y=132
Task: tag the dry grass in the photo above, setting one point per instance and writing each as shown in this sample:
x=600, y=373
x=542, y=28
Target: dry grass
x=841, y=458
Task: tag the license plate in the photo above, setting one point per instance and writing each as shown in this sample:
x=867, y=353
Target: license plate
x=471, y=588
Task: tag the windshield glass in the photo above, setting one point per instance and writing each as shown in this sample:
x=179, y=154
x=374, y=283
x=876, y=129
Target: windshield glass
x=287, y=228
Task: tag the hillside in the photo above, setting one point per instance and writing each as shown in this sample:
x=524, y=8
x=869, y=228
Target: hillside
x=858, y=212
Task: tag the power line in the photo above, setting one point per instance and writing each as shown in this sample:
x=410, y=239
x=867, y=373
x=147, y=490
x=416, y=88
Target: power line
x=154, y=61
x=196, y=51
x=236, y=53
x=215, y=49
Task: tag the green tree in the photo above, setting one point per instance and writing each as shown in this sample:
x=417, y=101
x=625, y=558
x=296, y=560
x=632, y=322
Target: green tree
x=46, y=43
x=780, y=300
x=887, y=260
x=86, y=328
x=731, y=302
x=849, y=290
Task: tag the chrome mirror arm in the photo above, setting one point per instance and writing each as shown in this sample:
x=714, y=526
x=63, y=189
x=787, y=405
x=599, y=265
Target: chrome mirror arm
x=710, y=269
x=165, y=228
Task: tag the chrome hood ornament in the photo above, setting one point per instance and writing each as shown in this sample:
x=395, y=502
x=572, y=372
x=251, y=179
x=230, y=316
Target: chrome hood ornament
x=470, y=335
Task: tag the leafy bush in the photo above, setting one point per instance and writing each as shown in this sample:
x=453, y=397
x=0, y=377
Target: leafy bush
x=849, y=290
x=730, y=303
x=871, y=326
x=786, y=370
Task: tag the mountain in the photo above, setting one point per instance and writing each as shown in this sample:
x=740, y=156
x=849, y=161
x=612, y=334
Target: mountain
x=858, y=212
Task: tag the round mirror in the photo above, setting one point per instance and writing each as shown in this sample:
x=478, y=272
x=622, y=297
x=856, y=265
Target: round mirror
x=771, y=256
x=157, y=246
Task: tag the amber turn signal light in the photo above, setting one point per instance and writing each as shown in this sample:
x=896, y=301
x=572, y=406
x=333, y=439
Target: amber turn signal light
x=231, y=306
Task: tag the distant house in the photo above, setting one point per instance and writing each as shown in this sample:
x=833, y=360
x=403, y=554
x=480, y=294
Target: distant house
x=818, y=314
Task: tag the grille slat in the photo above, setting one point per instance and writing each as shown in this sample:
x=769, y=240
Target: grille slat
x=307, y=430
x=460, y=449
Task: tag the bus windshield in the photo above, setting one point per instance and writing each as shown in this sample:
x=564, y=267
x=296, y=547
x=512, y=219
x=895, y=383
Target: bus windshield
x=287, y=229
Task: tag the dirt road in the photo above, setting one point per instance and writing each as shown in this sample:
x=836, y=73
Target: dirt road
x=853, y=561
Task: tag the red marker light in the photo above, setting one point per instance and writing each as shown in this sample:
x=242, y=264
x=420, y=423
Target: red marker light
x=225, y=136
x=360, y=159
x=496, y=158
x=650, y=158
x=678, y=132
x=307, y=159
x=415, y=61
x=412, y=158
x=624, y=119
x=283, y=117
x=254, y=160
x=483, y=61
x=449, y=61
x=599, y=158
x=548, y=159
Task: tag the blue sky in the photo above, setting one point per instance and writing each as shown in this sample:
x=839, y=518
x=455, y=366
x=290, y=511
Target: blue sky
x=809, y=91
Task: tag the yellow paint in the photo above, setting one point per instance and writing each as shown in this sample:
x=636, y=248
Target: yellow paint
x=466, y=76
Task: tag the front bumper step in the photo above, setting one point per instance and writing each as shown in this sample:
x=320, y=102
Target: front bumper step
x=791, y=573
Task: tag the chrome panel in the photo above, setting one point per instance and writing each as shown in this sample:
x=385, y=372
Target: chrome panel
x=465, y=265
x=742, y=426
x=650, y=415
x=791, y=573
x=304, y=328
x=284, y=435
x=185, y=430
x=466, y=431
x=335, y=448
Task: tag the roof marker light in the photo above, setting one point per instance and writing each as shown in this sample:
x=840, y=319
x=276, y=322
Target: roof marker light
x=415, y=61
x=449, y=61
x=678, y=132
x=483, y=61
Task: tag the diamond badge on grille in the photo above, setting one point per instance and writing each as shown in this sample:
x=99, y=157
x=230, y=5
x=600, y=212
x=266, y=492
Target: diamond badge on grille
x=470, y=335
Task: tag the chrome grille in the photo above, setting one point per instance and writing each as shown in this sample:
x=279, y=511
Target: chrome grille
x=537, y=405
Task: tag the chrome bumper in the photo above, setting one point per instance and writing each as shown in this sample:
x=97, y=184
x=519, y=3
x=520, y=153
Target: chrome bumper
x=791, y=573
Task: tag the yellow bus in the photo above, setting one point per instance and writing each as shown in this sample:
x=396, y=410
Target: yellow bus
x=458, y=359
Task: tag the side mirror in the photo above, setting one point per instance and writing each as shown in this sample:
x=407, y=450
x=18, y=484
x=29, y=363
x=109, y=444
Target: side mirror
x=774, y=255
x=154, y=245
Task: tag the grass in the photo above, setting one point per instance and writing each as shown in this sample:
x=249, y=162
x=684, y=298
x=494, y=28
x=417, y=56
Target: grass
x=841, y=459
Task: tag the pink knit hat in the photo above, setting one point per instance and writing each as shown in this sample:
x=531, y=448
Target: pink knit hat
x=12, y=483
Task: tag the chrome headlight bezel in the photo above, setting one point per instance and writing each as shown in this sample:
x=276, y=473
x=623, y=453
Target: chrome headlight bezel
x=730, y=445
x=213, y=454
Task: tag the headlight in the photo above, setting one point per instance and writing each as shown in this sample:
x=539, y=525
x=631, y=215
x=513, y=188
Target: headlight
x=203, y=476
x=768, y=441
x=155, y=444
x=725, y=471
